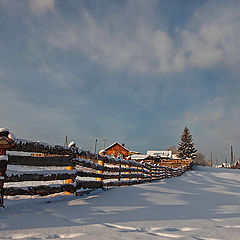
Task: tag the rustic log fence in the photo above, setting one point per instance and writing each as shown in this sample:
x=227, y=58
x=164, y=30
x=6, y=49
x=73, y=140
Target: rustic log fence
x=109, y=173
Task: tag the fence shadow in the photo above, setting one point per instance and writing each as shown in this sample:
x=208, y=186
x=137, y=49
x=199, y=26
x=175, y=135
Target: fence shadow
x=195, y=195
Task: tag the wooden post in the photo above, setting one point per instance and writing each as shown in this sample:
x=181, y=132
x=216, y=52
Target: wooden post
x=119, y=178
x=211, y=159
x=140, y=172
x=68, y=181
x=100, y=162
x=5, y=144
x=3, y=168
x=151, y=173
x=127, y=166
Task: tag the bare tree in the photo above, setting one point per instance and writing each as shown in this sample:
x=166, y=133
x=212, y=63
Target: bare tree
x=173, y=149
x=201, y=160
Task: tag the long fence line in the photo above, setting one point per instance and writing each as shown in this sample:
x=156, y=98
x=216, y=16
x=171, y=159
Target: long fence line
x=109, y=172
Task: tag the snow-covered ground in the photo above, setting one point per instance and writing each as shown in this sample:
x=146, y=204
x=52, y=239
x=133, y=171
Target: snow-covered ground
x=201, y=204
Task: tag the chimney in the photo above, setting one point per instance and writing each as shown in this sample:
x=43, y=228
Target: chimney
x=123, y=144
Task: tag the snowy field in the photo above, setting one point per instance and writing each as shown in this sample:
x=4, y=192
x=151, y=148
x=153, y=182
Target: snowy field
x=201, y=204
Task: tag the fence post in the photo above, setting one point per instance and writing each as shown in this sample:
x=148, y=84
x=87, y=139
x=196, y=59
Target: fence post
x=141, y=172
x=127, y=166
x=68, y=181
x=100, y=162
x=5, y=144
x=151, y=173
x=119, y=178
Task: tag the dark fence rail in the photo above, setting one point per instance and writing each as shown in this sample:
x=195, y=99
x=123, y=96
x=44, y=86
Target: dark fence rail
x=41, y=161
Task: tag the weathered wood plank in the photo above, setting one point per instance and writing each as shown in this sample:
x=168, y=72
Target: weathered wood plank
x=39, y=190
x=89, y=164
x=29, y=146
x=125, y=183
x=115, y=161
x=88, y=184
x=41, y=161
x=108, y=176
x=133, y=175
x=38, y=176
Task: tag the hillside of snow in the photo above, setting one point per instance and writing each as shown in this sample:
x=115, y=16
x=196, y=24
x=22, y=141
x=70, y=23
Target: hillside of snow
x=201, y=204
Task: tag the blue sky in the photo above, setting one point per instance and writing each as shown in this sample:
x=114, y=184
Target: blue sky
x=128, y=71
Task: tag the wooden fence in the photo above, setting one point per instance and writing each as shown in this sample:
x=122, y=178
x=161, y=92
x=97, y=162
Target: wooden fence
x=108, y=171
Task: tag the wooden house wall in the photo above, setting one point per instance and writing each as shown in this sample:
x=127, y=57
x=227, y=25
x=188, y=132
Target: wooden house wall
x=116, y=150
x=175, y=162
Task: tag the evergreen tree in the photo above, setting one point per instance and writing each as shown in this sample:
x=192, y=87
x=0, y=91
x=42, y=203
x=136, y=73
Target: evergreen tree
x=186, y=147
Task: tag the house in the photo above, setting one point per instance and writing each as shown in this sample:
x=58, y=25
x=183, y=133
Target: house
x=168, y=158
x=160, y=154
x=116, y=150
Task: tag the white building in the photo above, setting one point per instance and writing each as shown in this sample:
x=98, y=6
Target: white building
x=162, y=154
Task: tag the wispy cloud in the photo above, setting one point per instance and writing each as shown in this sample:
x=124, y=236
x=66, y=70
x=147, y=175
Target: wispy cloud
x=41, y=7
x=215, y=126
x=205, y=41
x=123, y=70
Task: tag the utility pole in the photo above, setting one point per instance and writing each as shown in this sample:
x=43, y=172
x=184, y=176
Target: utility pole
x=216, y=162
x=95, y=149
x=66, y=141
x=104, y=143
x=211, y=158
x=231, y=161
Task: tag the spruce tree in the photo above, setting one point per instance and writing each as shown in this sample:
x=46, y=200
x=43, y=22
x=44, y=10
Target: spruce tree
x=186, y=147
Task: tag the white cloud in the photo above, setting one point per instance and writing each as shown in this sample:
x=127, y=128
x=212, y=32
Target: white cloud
x=143, y=47
x=215, y=127
x=40, y=7
x=216, y=38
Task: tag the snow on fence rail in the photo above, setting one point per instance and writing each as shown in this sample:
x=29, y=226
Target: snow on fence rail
x=110, y=172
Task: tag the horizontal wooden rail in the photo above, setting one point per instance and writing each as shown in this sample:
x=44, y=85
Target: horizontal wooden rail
x=109, y=176
x=115, y=161
x=18, y=176
x=42, y=190
x=126, y=182
x=63, y=175
x=40, y=161
x=90, y=164
x=38, y=147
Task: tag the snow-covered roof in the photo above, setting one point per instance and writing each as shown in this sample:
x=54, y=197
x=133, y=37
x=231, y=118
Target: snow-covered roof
x=44, y=144
x=175, y=156
x=24, y=141
x=113, y=145
x=4, y=130
x=72, y=144
x=11, y=136
x=163, y=154
x=101, y=151
x=4, y=158
x=139, y=156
